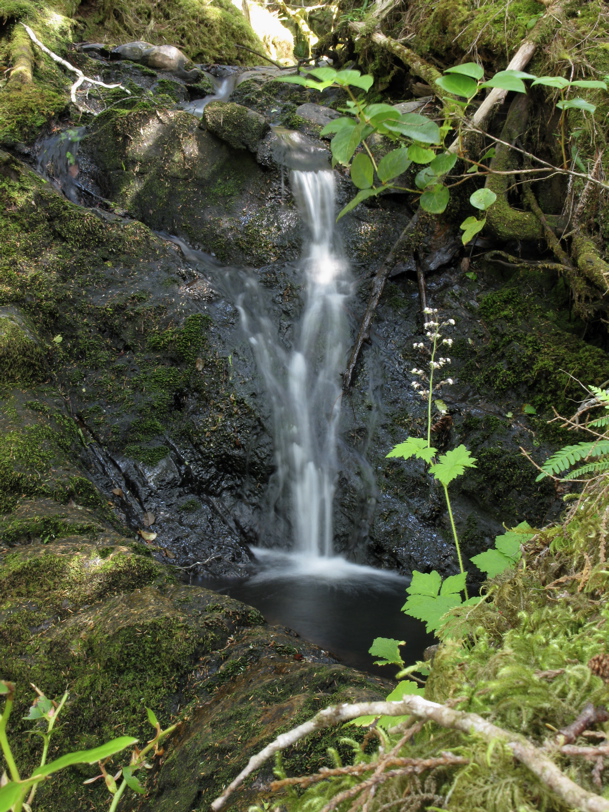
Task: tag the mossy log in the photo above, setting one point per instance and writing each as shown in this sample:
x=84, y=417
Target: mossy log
x=589, y=261
x=22, y=58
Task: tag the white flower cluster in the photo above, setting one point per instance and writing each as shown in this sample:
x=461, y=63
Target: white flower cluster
x=432, y=327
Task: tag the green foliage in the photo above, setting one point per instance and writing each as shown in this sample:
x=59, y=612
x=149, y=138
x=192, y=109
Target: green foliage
x=430, y=598
x=13, y=793
x=506, y=553
x=569, y=455
x=388, y=650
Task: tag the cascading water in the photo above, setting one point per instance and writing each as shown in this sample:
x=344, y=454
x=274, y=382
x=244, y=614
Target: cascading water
x=304, y=382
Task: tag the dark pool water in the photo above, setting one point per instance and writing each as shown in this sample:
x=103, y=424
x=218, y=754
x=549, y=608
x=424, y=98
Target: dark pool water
x=339, y=606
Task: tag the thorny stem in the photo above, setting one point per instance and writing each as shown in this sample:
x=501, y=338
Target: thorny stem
x=455, y=537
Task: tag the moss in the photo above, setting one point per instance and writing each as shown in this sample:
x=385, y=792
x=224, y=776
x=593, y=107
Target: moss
x=22, y=359
x=149, y=455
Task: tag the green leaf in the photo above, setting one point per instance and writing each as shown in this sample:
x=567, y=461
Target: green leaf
x=324, y=74
x=528, y=409
x=472, y=69
x=508, y=80
x=405, y=688
x=363, y=194
x=471, y=226
x=458, y=85
x=338, y=124
x=85, y=756
x=552, y=81
x=4, y=689
x=353, y=78
x=425, y=177
x=430, y=610
x=418, y=128
x=10, y=793
x=393, y=164
x=388, y=650
x=425, y=583
x=570, y=454
x=345, y=142
x=362, y=171
x=482, y=198
x=492, y=562
x=413, y=447
x=298, y=80
x=435, y=199
x=152, y=718
x=454, y=584
x=443, y=163
x=452, y=464
x=590, y=83
x=132, y=782
x=373, y=110
x=576, y=104
x=420, y=155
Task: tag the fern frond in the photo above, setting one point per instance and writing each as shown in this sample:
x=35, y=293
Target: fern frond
x=569, y=455
x=599, y=423
x=601, y=395
x=594, y=469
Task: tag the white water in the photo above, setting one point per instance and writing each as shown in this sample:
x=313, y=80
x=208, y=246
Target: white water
x=304, y=383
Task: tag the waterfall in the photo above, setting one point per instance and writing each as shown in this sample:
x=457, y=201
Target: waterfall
x=304, y=382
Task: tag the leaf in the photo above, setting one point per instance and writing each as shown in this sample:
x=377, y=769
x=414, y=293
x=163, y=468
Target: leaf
x=492, y=562
x=118, y=491
x=405, y=688
x=338, y=124
x=452, y=464
x=361, y=195
x=346, y=141
x=472, y=69
x=152, y=718
x=380, y=109
x=132, y=782
x=507, y=551
x=576, y=104
x=506, y=80
x=148, y=519
x=454, y=584
x=354, y=78
x=552, y=81
x=590, y=83
x=471, y=226
x=435, y=199
x=393, y=164
x=10, y=793
x=4, y=688
x=58, y=339
x=458, y=85
x=528, y=409
x=388, y=650
x=420, y=155
x=362, y=171
x=417, y=127
x=413, y=447
x=443, y=163
x=430, y=610
x=85, y=756
x=425, y=583
x=297, y=80
x=570, y=454
x=482, y=198
x=324, y=74
x=146, y=535
x=425, y=177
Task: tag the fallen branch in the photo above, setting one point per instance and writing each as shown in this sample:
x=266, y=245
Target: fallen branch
x=530, y=756
x=81, y=76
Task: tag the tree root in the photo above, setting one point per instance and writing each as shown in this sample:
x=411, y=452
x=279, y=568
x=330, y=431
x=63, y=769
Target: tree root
x=532, y=757
x=81, y=77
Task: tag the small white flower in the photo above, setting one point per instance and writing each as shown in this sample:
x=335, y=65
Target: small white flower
x=415, y=385
x=449, y=381
x=448, y=341
x=435, y=364
x=451, y=322
x=429, y=310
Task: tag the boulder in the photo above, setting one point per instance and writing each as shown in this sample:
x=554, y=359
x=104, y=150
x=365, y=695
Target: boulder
x=237, y=125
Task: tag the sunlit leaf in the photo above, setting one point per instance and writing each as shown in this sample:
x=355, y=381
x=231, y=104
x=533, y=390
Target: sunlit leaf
x=590, y=83
x=482, y=198
x=471, y=226
x=132, y=782
x=338, y=124
x=420, y=155
x=552, y=81
x=10, y=794
x=346, y=141
x=362, y=171
x=323, y=74
x=452, y=464
x=85, y=756
x=414, y=447
x=418, y=128
x=435, y=199
x=458, y=85
x=430, y=610
x=453, y=584
x=152, y=718
x=472, y=69
x=393, y=164
x=425, y=583
x=387, y=650
x=354, y=79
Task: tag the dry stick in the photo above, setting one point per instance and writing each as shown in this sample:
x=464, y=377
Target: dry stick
x=81, y=77
x=262, y=56
x=532, y=757
x=378, y=285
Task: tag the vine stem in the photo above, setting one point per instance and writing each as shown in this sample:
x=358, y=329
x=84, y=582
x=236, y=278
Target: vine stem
x=455, y=537
x=4, y=744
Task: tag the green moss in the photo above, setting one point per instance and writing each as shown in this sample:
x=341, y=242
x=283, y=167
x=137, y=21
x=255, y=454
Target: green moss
x=189, y=506
x=149, y=455
x=22, y=359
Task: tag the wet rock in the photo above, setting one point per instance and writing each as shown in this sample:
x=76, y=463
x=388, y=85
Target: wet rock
x=316, y=113
x=158, y=57
x=235, y=124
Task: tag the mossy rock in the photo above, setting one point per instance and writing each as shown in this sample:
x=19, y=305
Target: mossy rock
x=22, y=358
x=235, y=124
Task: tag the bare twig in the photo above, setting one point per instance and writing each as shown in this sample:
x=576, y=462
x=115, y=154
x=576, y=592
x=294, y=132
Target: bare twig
x=81, y=77
x=535, y=759
x=589, y=717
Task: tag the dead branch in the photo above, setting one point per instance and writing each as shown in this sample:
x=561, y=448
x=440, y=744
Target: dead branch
x=81, y=77
x=378, y=285
x=589, y=717
x=535, y=759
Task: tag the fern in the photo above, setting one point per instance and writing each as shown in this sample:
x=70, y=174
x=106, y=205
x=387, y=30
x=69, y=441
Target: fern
x=599, y=423
x=571, y=454
x=593, y=469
